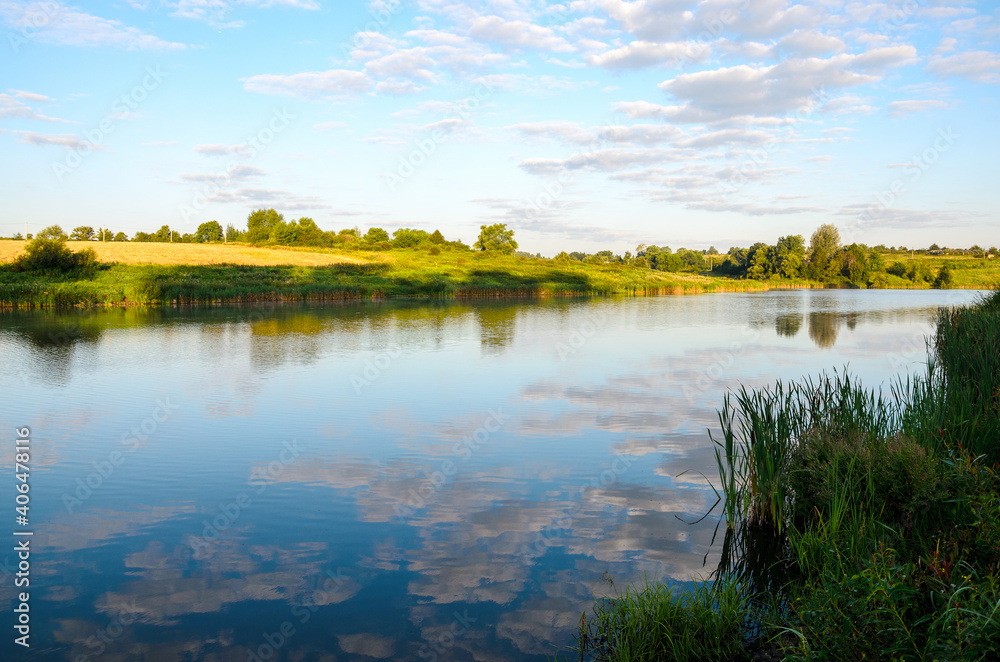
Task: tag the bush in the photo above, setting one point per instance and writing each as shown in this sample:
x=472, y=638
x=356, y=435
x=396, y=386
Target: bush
x=434, y=250
x=53, y=256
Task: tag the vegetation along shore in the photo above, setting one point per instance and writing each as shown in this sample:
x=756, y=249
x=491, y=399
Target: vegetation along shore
x=860, y=524
x=275, y=260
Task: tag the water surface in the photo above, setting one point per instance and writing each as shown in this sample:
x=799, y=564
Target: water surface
x=395, y=480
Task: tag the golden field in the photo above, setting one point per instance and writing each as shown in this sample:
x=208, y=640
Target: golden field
x=195, y=254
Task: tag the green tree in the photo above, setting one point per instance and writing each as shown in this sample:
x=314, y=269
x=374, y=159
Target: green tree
x=760, y=261
x=496, y=238
x=104, y=234
x=163, y=234
x=945, y=279
x=261, y=223
x=121, y=236
x=825, y=239
x=789, y=255
x=437, y=237
x=208, y=231
x=409, y=238
x=53, y=256
x=375, y=235
x=52, y=232
x=82, y=233
x=933, y=247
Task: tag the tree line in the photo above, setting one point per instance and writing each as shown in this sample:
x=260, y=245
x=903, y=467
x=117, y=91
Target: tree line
x=824, y=259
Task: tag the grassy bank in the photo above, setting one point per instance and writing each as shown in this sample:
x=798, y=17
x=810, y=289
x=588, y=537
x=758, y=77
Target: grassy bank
x=391, y=274
x=160, y=273
x=860, y=524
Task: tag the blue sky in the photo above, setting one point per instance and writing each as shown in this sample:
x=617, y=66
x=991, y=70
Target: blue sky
x=585, y=125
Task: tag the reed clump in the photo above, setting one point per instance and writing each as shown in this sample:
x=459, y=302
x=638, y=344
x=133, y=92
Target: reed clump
x=862, y=525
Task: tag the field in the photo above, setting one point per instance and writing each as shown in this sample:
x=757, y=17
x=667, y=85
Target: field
x=156, y=273
x=168, y=253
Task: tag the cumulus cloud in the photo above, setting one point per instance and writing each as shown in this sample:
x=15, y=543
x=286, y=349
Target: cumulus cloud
x=793, y=85
x=57, y=23
x=982, y=66
x=904, y=108
x=12, y=107
x=310, y=84
x=642, y=54
x=216, y=13
x=65, y=140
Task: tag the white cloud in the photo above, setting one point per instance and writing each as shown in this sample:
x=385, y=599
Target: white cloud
x=517, y=35
x=793, y=85
x=216, y=12
x=329, y=126
x=12, y=107
x=310, y=84
x=982, y=66
x=810, y=42
x=904, y=108
x=947, y=45
x=219, y=149
x=66, y=140
x=56, y=23
x=642, y=54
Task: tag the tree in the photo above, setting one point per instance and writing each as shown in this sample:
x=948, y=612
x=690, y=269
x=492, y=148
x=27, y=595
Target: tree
x=437, y=237
x=82, y=233
x=825, y=240
x=208, y=231
x=163, y=234
x=261, y=223
x=789, y=255
x=409, y=238
x=376, y=235
x=496, y=238
x=53, y=256
x=52, y=232
x=121, y=236
x=945, y=279
x=104, y=234
x=933, y=247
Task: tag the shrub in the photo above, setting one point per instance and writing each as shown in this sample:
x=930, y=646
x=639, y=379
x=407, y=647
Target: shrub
x=434, y=250
x=53, y=256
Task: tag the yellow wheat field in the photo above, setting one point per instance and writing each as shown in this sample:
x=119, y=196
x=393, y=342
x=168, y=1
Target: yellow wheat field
x=168, y=253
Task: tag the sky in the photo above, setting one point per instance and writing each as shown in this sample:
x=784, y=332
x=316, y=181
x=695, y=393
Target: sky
x=585, y=125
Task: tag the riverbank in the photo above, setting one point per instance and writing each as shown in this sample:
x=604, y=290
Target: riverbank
x=859, y=525
x=294, y=276
x=161, y=273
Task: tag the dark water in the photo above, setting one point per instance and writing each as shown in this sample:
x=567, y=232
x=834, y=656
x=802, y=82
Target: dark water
x=442, y=481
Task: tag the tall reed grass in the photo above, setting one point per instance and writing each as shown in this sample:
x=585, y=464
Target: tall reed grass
x=860, y=525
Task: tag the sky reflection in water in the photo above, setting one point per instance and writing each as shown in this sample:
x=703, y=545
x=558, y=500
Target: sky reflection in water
x=391, y=480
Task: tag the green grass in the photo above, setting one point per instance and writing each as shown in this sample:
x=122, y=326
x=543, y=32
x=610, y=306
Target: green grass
x=860, y=525
x=397, y=274
x=403, y=273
